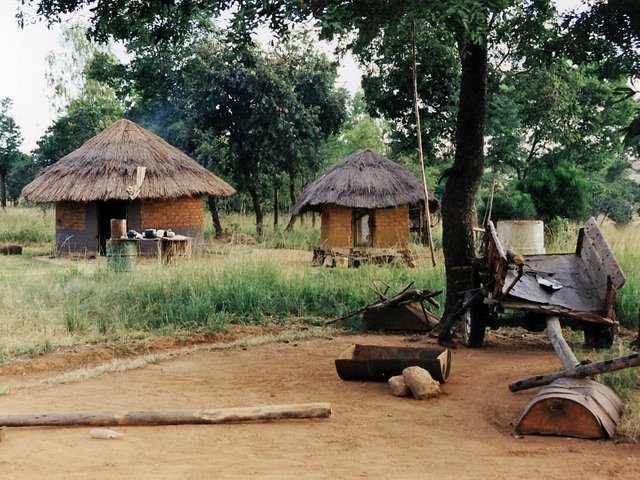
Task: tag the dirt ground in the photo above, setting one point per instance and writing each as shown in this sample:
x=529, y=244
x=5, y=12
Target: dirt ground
x=465, y=433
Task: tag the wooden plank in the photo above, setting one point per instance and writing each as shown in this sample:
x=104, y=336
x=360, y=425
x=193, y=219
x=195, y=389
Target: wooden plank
x=170, y=417
x=555, y=310
x=580, y=371
x=595, y=241
x=560, y=345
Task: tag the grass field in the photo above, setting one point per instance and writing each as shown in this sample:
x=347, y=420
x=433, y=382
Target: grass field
x=47, y=303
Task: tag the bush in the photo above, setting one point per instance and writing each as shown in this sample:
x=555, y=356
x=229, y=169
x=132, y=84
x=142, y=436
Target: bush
x=509, y=204
x=559, y=190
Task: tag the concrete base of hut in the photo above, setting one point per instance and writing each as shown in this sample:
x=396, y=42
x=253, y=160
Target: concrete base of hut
x=354, y=257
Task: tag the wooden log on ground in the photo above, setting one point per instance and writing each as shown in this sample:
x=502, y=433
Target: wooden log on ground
x=420, y=382
x=398, y=387
x=170, y=417
x=567, y=358
x=580, y=371
x=11, y=249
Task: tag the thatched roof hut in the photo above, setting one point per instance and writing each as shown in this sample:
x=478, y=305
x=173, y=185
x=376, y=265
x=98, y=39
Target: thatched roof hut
x=124, y=172
x=105, y=168
x=364, y=179
x=366, y=201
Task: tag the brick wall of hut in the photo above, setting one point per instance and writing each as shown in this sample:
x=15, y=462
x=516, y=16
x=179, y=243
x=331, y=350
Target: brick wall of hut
x=335, y=231
x=77, y=223
x=76, y=228
x=176, y=213
x=70, y=216
x=391, y=227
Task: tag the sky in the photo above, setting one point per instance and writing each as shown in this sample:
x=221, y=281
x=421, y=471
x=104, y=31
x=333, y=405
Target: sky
x=23, y=67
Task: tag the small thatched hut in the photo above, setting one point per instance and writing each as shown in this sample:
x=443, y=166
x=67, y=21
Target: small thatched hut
x=124, y=172
x=365, y=202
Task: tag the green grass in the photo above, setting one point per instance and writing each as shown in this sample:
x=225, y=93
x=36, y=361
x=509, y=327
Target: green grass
x=626, y=383
x=201, y=296
x=27, y=226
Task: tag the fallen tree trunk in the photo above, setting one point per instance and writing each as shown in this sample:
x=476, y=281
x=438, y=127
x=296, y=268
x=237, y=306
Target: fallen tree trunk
x=580, y=371
x=170, y=417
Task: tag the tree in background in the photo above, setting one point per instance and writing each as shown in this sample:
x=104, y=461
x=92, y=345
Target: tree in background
x=360, y=130
x=84, y=117
x=23, y=170
x=270, y=111
x=10, y=140
x=86, y=105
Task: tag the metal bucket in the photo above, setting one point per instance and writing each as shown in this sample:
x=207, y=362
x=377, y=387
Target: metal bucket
x=522, y=236
x=122, y=255
x=118, y=228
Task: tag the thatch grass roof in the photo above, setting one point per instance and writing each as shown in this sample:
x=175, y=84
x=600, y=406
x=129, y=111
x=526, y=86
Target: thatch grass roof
x=364, y=179
x=105, y=168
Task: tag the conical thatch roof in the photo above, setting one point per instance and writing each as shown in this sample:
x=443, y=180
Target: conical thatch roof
x=364, y=179
x=105, y=168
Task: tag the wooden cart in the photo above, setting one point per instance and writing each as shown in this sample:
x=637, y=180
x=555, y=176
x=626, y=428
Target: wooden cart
x=523, y=290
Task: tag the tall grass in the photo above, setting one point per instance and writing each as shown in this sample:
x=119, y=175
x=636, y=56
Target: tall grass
x=204, y=296
x=626, y=383
x=27, y=226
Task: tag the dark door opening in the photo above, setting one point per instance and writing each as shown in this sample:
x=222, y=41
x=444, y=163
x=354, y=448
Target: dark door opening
x=112, y=209
x=363, y=227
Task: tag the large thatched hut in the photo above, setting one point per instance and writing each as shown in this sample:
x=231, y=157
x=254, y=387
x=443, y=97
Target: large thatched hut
x=365, y=201
x=124, y=172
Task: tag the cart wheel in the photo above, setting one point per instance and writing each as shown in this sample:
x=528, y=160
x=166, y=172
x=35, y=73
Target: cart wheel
x=473, y=320
x=599, y=336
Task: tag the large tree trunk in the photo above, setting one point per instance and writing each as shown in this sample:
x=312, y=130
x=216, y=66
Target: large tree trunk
x=213, y=208
x=256, y=208
x=463, y=178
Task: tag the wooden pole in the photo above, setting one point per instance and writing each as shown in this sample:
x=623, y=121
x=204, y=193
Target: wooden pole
x=567, y=358
x=419, y=132
x=580, y=371
x=170, y=417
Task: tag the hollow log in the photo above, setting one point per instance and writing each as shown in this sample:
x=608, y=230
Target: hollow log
x=580, y=371
x=11, y=249
x=170, y=417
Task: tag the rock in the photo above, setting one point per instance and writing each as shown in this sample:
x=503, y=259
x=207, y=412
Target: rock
x=420, y=382
x=398, y=386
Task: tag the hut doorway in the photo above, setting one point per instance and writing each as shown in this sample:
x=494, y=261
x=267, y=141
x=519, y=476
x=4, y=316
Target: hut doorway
x=112, y=209
x=363, y=227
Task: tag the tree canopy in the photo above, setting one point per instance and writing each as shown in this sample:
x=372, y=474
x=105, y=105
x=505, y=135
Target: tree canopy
x=10, y=140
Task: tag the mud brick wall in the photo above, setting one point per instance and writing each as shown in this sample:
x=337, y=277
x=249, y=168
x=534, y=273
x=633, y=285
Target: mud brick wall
x=70, y=216
x=392, y=228
x=336, y=227
x=174, y=213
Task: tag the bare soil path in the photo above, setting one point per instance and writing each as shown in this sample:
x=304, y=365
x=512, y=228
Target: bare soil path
x=465, y=433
